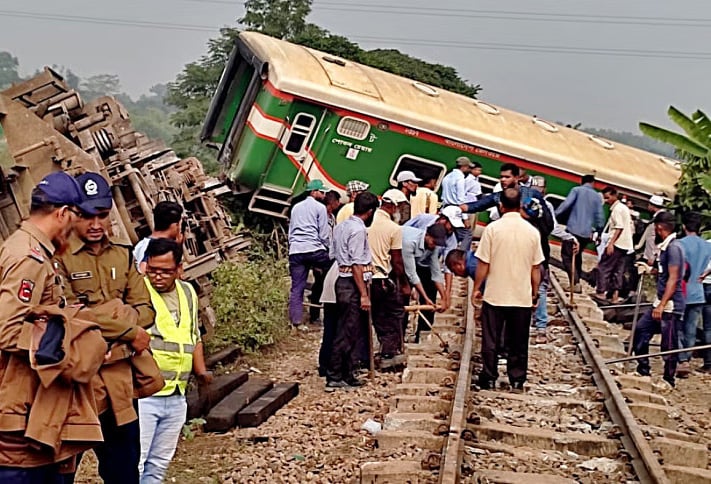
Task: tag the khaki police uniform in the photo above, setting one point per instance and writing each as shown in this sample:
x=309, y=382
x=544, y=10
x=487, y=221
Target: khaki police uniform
x=27, y=281
x=96, y=277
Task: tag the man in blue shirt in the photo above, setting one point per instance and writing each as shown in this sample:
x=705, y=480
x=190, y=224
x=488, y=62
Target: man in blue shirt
x=698, y=254
x=351, y=250
x=462, y=263
x=668, y=307
x=420, y=256
x=451, y=219
x=309, y=240
x=582, y=212
x=454, y=192
x=510, y=177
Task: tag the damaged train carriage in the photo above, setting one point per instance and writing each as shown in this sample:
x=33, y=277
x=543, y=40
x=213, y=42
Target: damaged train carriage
x=284, y=114
x=49, y=127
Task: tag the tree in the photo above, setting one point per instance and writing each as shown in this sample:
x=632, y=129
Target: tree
x=321, y=39
x=694, y=147
x=191, y=93
x=8, y=70
x=396, y=62
x=100, y=85
x=192, y=90
x=284, y=19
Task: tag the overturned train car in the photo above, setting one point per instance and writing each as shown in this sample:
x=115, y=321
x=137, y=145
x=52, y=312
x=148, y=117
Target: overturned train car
x=284, y=114
x=49, y=127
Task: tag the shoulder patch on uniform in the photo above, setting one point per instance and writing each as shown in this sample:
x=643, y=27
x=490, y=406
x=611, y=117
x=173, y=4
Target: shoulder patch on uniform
x=36, y=254
x=75, y=276
x=25, y=292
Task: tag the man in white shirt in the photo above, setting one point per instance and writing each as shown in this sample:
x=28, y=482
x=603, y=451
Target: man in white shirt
x=454, y=193
x=611, y=268
x=510, y=256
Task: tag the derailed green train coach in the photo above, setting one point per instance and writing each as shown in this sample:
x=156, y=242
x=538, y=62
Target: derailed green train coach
x=284, y=114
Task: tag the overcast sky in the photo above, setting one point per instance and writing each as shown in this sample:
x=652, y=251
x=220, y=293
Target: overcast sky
x=528, y=56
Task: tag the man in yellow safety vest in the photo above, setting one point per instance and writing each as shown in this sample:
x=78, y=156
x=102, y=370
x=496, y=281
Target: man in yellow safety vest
x=176, y=347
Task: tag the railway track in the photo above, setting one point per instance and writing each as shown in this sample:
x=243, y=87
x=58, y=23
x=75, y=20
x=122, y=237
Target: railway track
x=579, y=419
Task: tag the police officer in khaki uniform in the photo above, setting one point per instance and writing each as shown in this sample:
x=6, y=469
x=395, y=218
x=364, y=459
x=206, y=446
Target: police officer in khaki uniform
x=100, y=273
x=28, y=279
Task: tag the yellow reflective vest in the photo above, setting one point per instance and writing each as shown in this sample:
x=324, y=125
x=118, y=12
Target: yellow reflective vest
x=173, y=344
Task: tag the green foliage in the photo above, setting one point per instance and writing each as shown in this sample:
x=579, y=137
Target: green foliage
x=8, y=70
x=396, y=62
x=99, y=85
x=150, y=114
x=191, y=92
x=191, y=428
x=694, y=147
x=250, y=300
x=283, y=19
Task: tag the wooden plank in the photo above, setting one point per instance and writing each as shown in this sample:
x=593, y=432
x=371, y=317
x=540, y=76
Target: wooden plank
x=265, y=406
x=201, y=400
x=224, y=415
x=224, y=355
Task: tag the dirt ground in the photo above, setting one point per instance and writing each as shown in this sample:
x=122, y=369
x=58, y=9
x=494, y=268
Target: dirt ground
x=315, y=438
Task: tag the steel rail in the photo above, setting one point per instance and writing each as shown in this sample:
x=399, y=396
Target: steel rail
x=643, y=461
x=451, y=466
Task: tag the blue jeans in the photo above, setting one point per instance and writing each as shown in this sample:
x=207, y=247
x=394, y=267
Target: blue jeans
x=299, y=267
x=687, y=335
x=48, y=474
x=541, y=315
x=161, y=420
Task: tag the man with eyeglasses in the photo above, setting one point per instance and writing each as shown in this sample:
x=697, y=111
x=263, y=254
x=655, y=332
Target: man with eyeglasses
x=100, y=273
x=176, y=346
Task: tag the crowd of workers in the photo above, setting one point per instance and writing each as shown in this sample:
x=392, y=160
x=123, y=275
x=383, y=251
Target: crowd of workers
x=375, y=255
x=94, y=355
x=98, y=339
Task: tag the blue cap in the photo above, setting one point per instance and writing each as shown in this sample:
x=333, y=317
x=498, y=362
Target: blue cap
x=96, y=193
x=532, y=207
x=60, y=188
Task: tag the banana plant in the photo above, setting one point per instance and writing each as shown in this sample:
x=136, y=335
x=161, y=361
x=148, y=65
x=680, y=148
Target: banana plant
x=694, y=147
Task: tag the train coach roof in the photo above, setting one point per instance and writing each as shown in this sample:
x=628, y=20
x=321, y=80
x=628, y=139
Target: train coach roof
x=315, y=75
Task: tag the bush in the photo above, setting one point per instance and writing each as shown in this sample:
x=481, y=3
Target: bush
x=250, y=301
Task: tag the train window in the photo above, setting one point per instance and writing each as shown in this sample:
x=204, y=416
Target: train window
x=429, y=90
x=299, y=134
x=353, y=128
x=487, y=183
x=421, y=167
x=548, y=126
x=486, y=107
x=608, y=145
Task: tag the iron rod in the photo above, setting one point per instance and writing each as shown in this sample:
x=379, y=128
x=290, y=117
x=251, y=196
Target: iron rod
x=660, y=353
